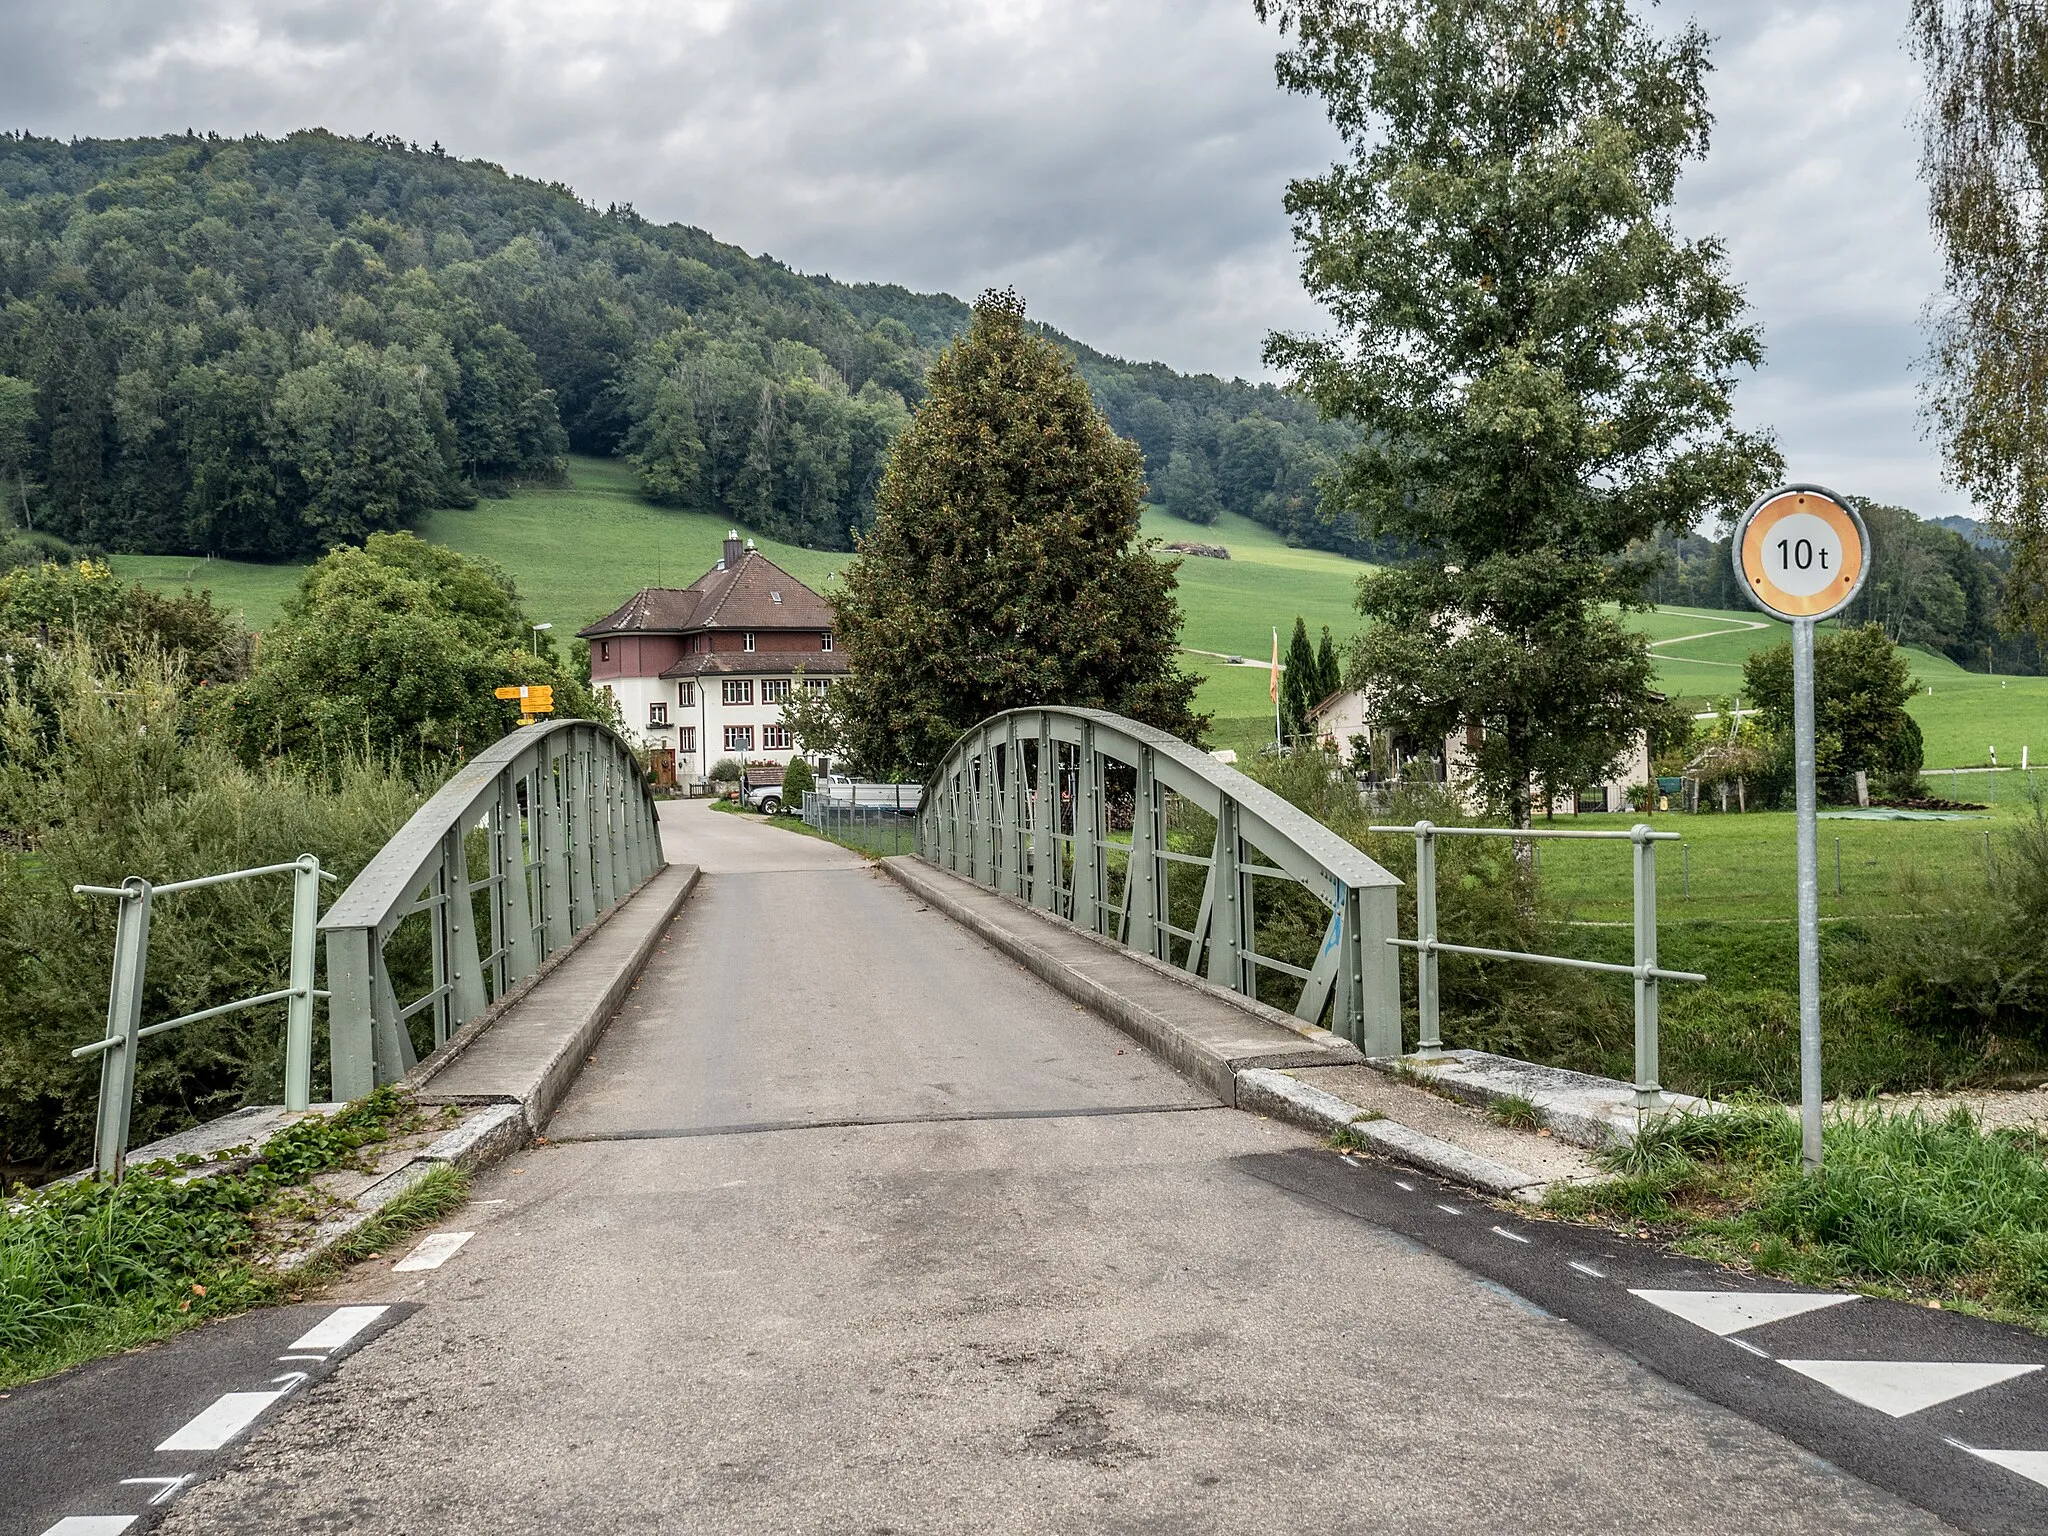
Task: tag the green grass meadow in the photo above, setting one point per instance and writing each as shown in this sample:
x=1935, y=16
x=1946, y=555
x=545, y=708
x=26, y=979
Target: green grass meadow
x=578, y=551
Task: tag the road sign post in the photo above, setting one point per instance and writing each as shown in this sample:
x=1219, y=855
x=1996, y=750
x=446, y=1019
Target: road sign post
x=534, y=698
x=1802, y=554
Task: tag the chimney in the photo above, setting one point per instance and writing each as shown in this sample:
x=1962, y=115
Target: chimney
x=732, y=550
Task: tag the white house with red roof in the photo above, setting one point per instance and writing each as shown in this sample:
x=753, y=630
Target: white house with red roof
x=703, y=671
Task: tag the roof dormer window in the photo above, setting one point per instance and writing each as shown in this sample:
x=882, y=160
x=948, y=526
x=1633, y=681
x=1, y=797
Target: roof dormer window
x=828, y=639
x=750, y=640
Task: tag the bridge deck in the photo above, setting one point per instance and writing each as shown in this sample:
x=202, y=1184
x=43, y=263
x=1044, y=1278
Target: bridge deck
x=854, y=1226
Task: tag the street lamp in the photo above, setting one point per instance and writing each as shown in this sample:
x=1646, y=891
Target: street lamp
x=537, y=628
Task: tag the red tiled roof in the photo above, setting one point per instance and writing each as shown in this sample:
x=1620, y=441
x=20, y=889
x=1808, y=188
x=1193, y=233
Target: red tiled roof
x=755, y=593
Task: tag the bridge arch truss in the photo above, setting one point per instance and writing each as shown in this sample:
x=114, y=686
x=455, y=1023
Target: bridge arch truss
x=1115, y=826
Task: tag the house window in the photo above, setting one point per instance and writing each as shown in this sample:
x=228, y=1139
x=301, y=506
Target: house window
x=686, y=739
x=657, y=712
x=775, y=738
x=739, y=738
x=750, y=641
x=817, y=685
x=828, y=639
x=688, y=692
x=604, y=650
x=738, y=690
x=774, y=690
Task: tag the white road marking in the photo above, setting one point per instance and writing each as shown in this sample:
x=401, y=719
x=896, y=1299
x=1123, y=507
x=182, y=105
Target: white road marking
x=1900, y=1387
x=1452, y=1209
x=282, y=1358
x=2032, y=1465
x=434, y=1251
x=91, y=1525
x=1761, y=1354
x=335, y=1330
x=221, y=1420
x=1404, y=1184
x=1584, y=1269
x=167, y=1486
x=1513, y=1237
x=1726, y=1312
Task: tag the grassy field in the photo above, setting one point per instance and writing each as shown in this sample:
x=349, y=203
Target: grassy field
x=1739, y=869
x=580, y=550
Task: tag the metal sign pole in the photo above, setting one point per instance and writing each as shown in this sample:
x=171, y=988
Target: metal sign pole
x=1802, y=554
x=1809, y=894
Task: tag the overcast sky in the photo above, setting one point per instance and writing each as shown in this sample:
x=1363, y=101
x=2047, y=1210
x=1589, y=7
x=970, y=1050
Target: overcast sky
x=1121, y=163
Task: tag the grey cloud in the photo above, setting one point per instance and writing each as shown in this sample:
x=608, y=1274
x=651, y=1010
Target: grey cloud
x=1121, y=163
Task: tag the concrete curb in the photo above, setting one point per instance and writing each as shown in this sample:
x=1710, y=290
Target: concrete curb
x=1181, y=1049
x=531, y=1061
x=506, y=1122
x=1266, y=1092
x=1257, y=1083
x=460, y=1042
x=1588, y=1111
x=481, y=1140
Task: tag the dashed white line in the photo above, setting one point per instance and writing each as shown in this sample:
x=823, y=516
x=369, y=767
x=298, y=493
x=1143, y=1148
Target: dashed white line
x=335, y=1330
x=433, y=1251
x=1513, y=1237
x=1404, y=1184
x=1584, y=1269
x=221, y=1421
x=1451, y=1209
x=1761, y=1354
x=91, y=1525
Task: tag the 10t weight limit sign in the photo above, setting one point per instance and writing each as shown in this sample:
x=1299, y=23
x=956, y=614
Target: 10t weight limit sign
x=1802, y=552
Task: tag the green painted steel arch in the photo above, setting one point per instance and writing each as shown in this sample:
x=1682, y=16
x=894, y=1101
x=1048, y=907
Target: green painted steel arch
x=1026, y=802
x=569, y=827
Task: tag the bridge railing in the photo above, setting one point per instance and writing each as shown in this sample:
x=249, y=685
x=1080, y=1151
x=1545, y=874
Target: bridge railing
x=126, y=1031
x=1108, y=823
x=562, y=820
x=1646, y=971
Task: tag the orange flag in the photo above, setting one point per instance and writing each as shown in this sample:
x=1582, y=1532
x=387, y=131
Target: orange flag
x=1275, y=689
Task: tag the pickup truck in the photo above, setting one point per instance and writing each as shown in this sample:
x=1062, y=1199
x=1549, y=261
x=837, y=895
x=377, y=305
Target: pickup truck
x=765, y=798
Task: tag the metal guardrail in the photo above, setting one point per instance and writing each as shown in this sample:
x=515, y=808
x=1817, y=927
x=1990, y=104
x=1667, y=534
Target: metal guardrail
x=569, y=824
x=1021, y=803
x=125, y=1029
x=1646, y=971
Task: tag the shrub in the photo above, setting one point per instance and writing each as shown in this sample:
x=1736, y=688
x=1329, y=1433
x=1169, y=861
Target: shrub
x=108, y=781
x=727, y=770
x=796, y=779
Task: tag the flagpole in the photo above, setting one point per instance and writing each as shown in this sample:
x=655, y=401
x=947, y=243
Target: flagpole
x=1279, y=746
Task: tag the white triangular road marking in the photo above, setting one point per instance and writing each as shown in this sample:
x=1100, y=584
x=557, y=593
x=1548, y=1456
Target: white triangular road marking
x=1726, y=1312
x=2029, y=1464
x=1900, y=1387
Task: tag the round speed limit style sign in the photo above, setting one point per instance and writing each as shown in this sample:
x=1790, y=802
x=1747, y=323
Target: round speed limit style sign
x=1802, y=552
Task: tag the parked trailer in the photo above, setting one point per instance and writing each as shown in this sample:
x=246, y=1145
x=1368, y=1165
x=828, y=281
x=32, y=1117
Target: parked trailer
x=838, y=789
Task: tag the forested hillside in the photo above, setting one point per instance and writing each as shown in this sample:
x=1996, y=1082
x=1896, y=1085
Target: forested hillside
x=262, y=348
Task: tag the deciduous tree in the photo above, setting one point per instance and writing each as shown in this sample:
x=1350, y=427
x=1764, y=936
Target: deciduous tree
x=1542, y=367
x=1986, y=165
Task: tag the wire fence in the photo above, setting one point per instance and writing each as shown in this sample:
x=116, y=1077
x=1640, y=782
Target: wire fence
x=882, y=830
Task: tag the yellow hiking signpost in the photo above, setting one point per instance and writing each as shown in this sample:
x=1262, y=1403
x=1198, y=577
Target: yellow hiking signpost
x=1802, y=554
x=534, y=699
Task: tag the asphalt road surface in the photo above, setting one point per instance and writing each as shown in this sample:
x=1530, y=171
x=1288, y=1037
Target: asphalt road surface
x=854, y=1226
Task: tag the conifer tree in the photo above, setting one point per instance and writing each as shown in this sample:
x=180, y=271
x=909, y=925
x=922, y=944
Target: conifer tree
x=1005, y=567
